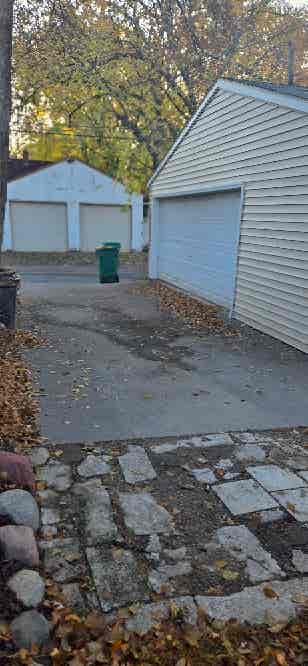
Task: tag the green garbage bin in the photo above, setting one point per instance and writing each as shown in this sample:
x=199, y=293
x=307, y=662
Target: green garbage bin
x=108, y=262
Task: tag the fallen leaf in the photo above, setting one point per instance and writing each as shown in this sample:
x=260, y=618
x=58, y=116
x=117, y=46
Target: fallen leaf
x=227, y=574
x=270, y=593
x=58, y=453
x=281, y=659
x=147, y=396
x=220, y=564
x=291, y=507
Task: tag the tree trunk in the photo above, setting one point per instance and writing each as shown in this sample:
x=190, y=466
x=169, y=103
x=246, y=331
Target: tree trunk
x=6, y=26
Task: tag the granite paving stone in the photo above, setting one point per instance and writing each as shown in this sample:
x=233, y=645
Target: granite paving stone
x=56, y=475
x=72, y=596
x=136, y=465
x=97, y=512
x=300, y=561
x=244, y=496
x=295, y=502
x=250, y=453
x=39, y=456
x=160, y=577
x=144, y=515
x=253, y=606
x=221, y=439
x=270, y=516
x=63, y=570
x=244, y=546
x=50, y=516
x=93, y=466
x=148, y=616
x=274, y=478
x=204, y=475
x=117, y=580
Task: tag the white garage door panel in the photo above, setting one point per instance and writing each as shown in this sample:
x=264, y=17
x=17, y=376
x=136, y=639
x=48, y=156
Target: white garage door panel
x=99, y=224
x=39, y=227
x=198, y=243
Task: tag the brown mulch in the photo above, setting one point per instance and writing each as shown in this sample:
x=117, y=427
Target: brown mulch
x=18, y=408
x=195, y=313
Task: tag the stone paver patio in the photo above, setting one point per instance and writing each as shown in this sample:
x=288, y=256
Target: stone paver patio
x=217, y=522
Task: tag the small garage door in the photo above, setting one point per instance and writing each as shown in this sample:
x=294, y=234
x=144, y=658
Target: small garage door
x=198, y=243
x=99, y=224
x=38, y=227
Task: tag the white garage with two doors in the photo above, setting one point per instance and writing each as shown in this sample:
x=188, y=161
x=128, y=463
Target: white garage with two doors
x=230, y=207
x=70, y=206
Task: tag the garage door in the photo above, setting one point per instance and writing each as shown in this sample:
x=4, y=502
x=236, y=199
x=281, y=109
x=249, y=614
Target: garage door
x=198, y=242
x=38, y=227
x=99, y=224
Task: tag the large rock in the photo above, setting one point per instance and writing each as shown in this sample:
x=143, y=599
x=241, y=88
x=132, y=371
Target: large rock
x=30, y=628
x=19, y=507
x=57, y=476
x=18, y=543
x=17, y=470
x=28, y=587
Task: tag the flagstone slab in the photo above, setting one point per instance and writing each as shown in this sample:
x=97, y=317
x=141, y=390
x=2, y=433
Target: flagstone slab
x=244, y=546
x=118, y=581
x=148, y=616
x=204, y=475
x=274, y=478
x=144, y=515
x=254, y=606
x=221, y=439
x=300, y=561
x=250, y=453
x=136, y=465
x=244, y=496
x=97, y=512
x=295, y=502
x=93, y=466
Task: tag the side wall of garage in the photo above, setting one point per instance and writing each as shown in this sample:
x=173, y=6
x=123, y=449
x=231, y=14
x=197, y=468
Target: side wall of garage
x=264, y=147
x=73, y=185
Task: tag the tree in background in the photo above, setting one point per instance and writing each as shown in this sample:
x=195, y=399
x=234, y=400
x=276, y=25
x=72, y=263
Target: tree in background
x=6, y=23
x=114, y=81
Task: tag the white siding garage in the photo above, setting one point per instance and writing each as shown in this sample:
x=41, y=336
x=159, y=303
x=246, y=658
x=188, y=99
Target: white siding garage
x=38, y=227
x=94, y=208
x=99, y=224
x=198, y=243
x=254, y=136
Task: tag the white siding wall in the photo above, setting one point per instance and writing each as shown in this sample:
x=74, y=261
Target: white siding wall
x=265, y=147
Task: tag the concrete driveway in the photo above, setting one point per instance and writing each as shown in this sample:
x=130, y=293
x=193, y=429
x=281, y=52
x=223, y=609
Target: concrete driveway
x=115, y=367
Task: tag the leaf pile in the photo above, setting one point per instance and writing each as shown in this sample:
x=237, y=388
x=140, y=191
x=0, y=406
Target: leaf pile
x=18, y=408
x=195, y=313
x=90, y=641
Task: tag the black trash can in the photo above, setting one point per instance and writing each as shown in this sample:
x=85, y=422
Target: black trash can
x=9, y=283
